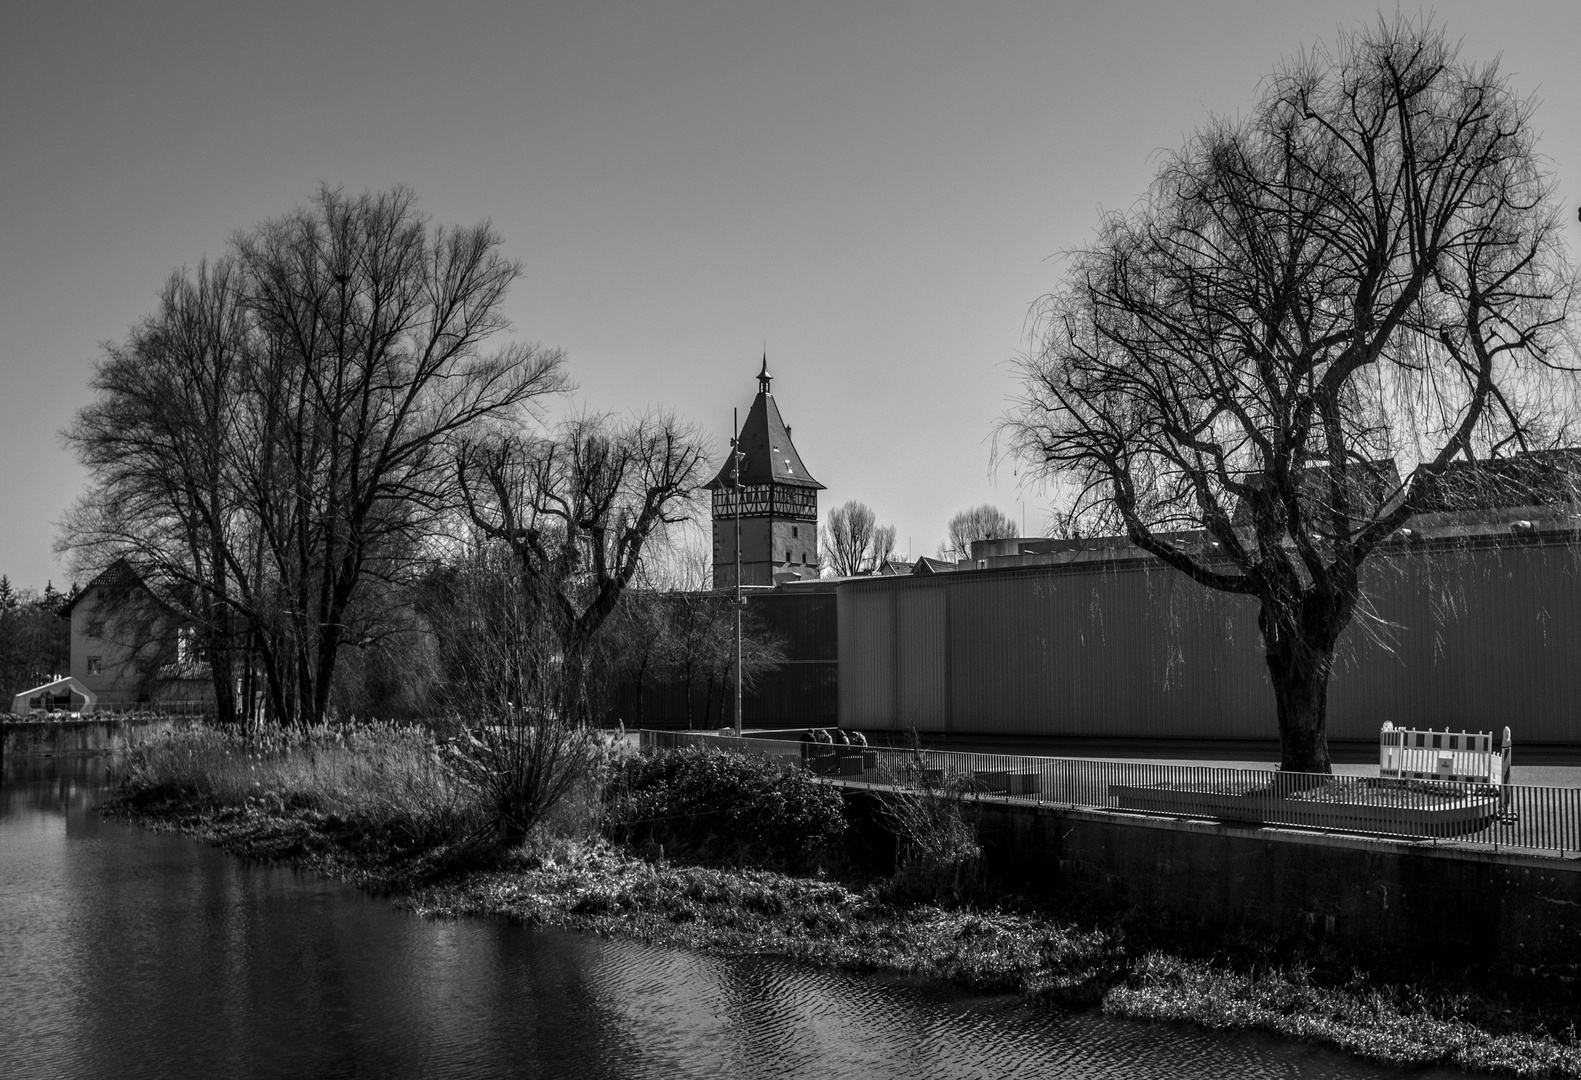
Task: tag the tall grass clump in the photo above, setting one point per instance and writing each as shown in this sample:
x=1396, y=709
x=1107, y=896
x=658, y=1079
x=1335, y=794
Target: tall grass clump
x=388, y=778
x=938, y=855
x=724, y=808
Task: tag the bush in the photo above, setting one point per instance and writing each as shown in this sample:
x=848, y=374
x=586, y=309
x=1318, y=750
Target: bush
x=523, y=770
x=938, y=856
x=734, y=809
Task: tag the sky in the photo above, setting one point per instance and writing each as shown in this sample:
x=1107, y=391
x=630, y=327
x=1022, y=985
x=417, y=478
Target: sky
x=876, y=193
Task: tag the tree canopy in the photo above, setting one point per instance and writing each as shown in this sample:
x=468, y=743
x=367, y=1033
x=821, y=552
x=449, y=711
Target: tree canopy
x=985, y=522
x=853, y=542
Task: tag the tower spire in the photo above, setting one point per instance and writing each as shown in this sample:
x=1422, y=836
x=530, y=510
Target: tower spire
x=764, y=378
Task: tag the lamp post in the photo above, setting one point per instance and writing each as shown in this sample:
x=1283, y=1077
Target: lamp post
x=735, y=457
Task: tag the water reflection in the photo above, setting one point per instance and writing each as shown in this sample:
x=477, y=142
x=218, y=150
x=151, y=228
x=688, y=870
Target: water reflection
x=129, y=953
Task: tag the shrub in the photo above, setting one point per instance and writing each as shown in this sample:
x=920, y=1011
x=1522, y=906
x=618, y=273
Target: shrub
x=524, y=769
x=938, y=856
x=735, y=809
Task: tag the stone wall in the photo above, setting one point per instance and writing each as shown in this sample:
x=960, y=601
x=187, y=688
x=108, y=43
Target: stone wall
x=1449, y=907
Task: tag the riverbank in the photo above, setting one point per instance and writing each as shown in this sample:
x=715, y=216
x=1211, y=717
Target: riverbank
x=1132, y=966
x=102, y=734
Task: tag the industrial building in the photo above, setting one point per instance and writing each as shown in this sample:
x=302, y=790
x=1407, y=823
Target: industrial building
x=1473, y=622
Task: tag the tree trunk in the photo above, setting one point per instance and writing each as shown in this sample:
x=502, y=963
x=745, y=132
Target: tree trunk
x=224, y=689
x=1299, y=671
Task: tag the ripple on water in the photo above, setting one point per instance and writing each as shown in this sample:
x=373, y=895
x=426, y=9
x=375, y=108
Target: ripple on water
x=125, y=953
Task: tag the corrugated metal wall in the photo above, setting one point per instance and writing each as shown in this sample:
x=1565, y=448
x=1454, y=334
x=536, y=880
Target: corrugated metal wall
x=1467, y=638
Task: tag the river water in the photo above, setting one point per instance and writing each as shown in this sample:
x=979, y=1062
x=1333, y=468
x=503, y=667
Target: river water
x=128, y=953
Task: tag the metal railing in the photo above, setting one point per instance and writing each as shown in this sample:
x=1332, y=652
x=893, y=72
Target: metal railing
x=1539, y=820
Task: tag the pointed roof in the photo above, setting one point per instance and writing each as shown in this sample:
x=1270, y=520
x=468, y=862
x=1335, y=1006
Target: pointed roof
x=119, y=575
x=768, y=455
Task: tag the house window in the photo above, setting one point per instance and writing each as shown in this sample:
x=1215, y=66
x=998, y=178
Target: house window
x=95, y=665
x=96, y=628
x=788, y=557
x=186, y=645
x=793, y=532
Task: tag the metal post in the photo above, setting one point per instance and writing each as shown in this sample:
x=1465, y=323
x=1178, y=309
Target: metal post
x=735, y=456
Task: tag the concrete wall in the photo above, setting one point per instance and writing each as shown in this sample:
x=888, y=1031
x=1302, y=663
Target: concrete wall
x=1449, y=907
x=76, y=736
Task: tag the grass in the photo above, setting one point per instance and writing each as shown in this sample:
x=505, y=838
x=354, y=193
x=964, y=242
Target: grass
x=1387, y=1023
x=377, y=806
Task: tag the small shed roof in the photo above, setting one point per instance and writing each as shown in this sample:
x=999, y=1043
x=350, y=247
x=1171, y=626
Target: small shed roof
x=19, y=704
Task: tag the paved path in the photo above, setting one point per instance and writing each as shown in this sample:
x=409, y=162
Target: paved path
x=1565, y=776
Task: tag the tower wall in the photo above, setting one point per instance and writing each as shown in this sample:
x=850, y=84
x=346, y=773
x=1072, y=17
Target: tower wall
x=768, y=546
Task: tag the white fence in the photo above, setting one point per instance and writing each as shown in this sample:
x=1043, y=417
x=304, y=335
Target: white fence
x=1465, y=756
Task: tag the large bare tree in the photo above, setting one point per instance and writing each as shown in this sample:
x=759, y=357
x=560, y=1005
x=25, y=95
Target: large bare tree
x=277, y=435
x=1258, y=372
x=158, y=443
x=574, y=509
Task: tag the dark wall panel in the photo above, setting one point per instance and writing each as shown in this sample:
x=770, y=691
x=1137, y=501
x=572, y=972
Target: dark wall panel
x=1467, y=639
x=802, y=692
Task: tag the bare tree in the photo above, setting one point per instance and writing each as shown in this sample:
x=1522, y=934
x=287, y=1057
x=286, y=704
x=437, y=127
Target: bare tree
x=35, y=641
x=158, y=443
x=985, y=522
x=575, y=510
x=853, y=543
x=277, y=435
x=1258, y=372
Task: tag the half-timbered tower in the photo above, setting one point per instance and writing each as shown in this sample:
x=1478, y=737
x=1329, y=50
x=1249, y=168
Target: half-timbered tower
x=776, y=502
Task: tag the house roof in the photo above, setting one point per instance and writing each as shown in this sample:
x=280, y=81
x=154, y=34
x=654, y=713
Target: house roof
x=118, y=575
x=1371, y=484
x=926, y=565
x=768, y=454
x=1535, y=478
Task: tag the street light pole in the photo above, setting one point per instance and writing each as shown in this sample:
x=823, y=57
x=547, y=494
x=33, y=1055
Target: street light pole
x=735, y=455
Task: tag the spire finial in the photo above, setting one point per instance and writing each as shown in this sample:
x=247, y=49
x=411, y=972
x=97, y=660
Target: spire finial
x=764, y=378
